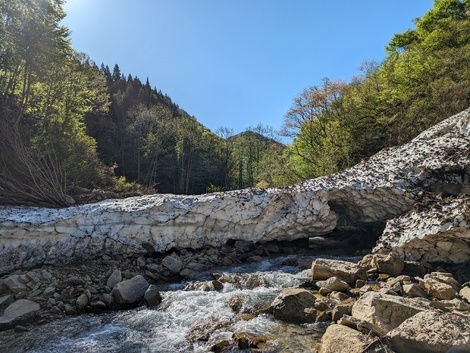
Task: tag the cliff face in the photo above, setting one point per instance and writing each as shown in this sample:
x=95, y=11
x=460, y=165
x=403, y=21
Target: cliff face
x=386, y=186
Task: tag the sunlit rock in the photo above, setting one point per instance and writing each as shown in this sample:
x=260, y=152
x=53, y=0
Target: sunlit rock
x=343, y=339
x=433, y=332
x=386, y=312
x=343, y=270
x=293, y=305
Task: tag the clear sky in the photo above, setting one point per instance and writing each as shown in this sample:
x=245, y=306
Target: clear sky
x=237, y=63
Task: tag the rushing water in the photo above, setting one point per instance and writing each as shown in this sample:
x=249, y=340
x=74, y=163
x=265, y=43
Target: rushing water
x=190, y=319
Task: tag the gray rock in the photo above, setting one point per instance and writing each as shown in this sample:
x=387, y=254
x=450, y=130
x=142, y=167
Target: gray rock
x=98, y=305
x=5, y=299
x=47, y=276
x=49, y=291
x=82, y=302
x=189, y=274
x=114, y=278
x=14, y=284
x=32, y=276
x=431, y=332
x=16, y=310
x=173, y=263
x=152, y=295
x=70, y=309
x=107, y=299
x=130, y=291
x=292, y=304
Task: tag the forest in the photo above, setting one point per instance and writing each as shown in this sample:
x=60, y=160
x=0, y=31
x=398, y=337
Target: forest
x=68, y=125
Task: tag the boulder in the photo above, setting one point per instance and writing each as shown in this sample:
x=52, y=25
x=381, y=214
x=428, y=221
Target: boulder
x=114, y=278
x=413, y=290
x=390, y=264
x=292, y=305
x=334, y=284
x=82, y=302
x=385, y=311
x=340, y=310
x=432, y=332
x=343, y=339
x=152, y=295
x=344, y=270
x=173, y=263
x=438, y=289
x=17, y=310
x=14, y=284
x=130, y=291
x=465, y=293
x=445, y=277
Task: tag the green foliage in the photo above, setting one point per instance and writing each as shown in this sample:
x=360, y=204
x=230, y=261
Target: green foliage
x=424, y=79
x=254, y=152
x=120, y=184
x=45, y=90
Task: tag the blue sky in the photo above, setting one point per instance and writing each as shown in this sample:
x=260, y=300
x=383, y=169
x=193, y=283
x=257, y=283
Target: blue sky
x=237, y=63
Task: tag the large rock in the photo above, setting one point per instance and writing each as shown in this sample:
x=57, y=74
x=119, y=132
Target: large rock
x=16, y=310
x=465, y=293
x=334, y=284
x=343, y=339
x=173, y=263
x=382, y=188
x=344, y=270
x=390, y=264
x=432, y=332
x=130, y=291
x=114, y=278
x=14, y=284
x=293, y=305
x=385, y=311
x=152, y=295
x=437, y=289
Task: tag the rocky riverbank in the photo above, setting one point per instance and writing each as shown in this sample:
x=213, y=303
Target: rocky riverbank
x=119, y=282
x=367, y=306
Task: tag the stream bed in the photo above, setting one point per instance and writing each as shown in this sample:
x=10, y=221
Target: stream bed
x=193, y=317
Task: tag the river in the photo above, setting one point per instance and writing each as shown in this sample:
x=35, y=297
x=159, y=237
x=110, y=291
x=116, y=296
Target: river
x=193, y=317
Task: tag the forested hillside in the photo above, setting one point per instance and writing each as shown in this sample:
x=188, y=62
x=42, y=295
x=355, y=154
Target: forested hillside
x=67, y=123
x=424, y=78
